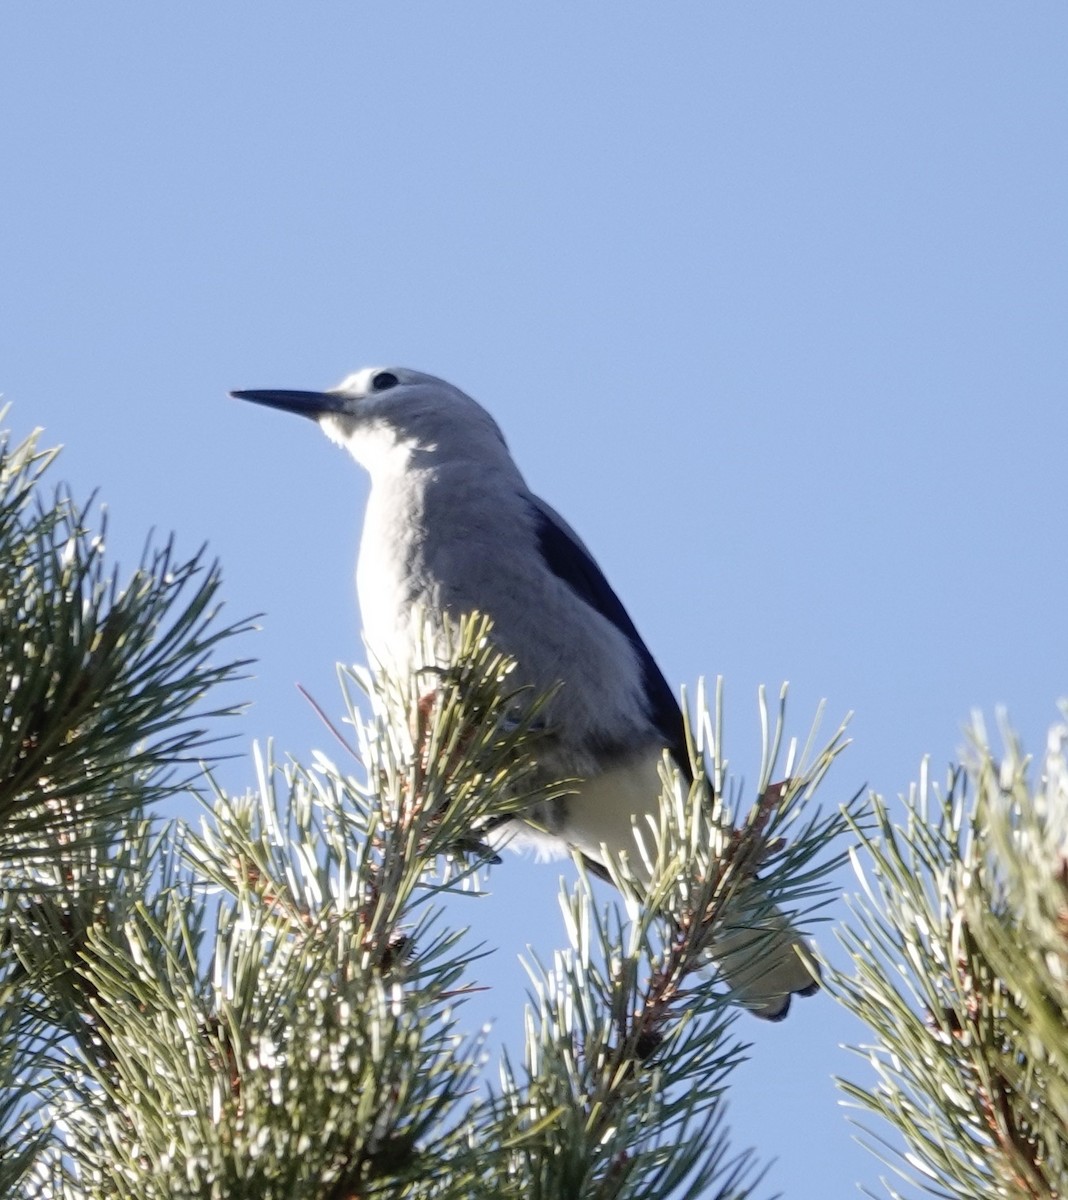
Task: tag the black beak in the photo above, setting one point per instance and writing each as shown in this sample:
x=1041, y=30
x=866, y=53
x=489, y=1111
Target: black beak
x=304, y=404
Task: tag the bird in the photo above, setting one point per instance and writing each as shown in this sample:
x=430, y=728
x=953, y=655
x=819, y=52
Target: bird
x=450, y=528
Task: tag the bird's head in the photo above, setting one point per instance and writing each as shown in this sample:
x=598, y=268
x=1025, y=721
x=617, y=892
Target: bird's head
x=379, y=412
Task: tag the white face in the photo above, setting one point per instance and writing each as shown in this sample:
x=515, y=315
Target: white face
x=380, y=411
x=383, y=414
x=373, y=418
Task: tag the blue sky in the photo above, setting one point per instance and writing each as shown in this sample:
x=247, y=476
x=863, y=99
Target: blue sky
x=769, y=299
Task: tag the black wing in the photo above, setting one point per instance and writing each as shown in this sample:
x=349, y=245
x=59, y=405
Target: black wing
x=570, y=561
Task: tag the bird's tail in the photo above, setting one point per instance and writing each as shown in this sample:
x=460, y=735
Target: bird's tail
x=760, y=956
x=765, y=964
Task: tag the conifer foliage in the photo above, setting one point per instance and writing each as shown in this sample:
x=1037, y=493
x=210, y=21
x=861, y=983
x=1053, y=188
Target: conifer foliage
x=960, y=953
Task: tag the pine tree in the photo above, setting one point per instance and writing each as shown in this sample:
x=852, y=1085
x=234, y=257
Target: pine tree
x=274, y=1006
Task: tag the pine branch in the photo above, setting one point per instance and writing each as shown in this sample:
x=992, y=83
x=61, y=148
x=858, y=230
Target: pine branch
x=313, y=1048
x=960, y=951
x=101, y=687
x=100, y=682
x=629, y=1046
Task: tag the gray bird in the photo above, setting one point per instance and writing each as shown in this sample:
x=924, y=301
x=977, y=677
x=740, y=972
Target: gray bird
x=452, y=527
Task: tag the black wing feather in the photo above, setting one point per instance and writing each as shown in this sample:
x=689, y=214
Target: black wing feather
x=571, y=562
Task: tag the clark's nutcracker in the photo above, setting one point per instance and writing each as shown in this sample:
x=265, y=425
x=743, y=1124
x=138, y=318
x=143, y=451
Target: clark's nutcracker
x=451, y=527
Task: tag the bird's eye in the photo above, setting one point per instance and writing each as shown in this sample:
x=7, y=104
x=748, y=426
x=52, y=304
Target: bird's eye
x=383, y=381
